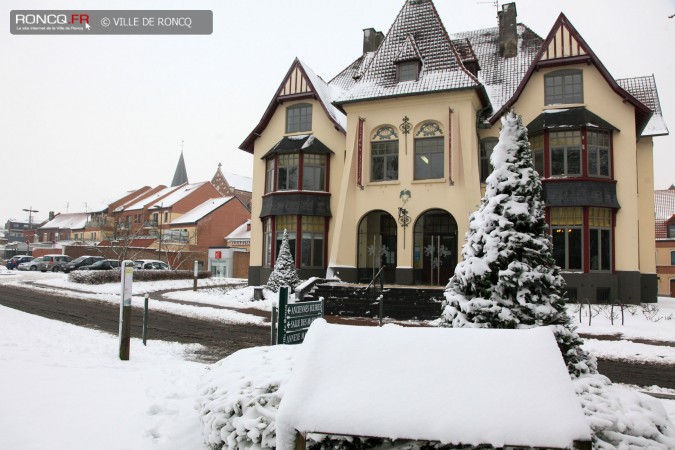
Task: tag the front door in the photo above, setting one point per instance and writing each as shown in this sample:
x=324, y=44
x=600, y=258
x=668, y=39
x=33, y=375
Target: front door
x=435, y=248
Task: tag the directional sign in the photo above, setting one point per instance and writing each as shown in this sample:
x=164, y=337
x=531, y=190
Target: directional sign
x=295, y=319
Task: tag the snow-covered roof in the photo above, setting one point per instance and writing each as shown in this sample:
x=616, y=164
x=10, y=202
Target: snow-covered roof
x=324, y=93
x=239, y=182
x=242, y=232
x=201, y=211
x=644, y=89
x=501, y=76
x=67, y=221
x=177, y=195
x=140, y=204
x=417, y=32
x=664, y=209
x=468, y=386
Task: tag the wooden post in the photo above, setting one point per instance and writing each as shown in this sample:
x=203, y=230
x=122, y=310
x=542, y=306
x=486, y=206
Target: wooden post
x=300, y=442
x=196, y=274
x=127, y=277
x=145, y=319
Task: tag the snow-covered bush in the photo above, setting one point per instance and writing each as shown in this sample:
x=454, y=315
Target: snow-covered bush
x=284, y=273
x=621, y=418
x=241, y=395
x=509, y=278
x=113, y=276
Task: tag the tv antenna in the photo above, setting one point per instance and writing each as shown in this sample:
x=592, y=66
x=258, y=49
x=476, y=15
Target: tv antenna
x=494, y=3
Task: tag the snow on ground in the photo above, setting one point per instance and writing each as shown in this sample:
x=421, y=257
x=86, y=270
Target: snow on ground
x=57, y=283
x=64, y=387
x=653, y=322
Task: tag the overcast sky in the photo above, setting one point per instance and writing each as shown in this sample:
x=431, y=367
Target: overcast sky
x=85, y=118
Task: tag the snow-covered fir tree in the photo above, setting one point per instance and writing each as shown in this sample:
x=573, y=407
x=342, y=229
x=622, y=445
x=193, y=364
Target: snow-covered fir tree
x=508, y=278
x=284, y=273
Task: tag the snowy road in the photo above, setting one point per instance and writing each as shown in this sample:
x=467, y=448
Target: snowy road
x=222, y=339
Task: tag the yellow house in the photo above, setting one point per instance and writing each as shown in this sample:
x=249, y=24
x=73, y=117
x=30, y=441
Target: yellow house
x=664, y=208
x=381, y=167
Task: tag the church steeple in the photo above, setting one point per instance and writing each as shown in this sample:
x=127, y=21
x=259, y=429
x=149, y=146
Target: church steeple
x=180, y=176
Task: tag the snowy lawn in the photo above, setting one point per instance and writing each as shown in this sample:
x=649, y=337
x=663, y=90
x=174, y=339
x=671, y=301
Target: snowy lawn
x=63, y=387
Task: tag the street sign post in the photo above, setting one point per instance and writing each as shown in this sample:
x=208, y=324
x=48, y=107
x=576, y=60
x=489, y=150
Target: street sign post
x=295, y=319
x=127, y=277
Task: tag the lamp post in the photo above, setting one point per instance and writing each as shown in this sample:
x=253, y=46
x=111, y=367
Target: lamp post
x=30, y=212
x=159, y=248
x=403, y=217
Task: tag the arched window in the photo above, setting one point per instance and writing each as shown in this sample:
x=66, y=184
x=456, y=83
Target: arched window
x=384, y=154
x=429, y=151
x=299, y=118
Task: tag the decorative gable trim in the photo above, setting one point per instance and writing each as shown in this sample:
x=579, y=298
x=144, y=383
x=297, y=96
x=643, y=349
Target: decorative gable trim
x=296, y=85
x=563, y=46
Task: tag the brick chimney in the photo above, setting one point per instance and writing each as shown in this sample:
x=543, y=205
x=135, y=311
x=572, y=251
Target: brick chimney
x=508, y=32
x=371, y=39
x=51, y=215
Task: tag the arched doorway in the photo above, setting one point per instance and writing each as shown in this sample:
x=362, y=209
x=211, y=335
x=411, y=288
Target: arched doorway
x=377, y=246
x=435, y=247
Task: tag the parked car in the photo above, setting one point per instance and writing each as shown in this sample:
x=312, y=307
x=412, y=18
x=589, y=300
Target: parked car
x=150, y=264
x=79, y=263
x=32, y=265
x=15, y=260
x=104, y=264
x=54, y=263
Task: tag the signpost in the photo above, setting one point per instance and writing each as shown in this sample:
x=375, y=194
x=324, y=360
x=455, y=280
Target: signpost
x=295, y=319
x=127, y=277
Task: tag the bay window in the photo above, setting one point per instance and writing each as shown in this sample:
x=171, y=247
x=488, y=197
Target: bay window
x=567, y=232
x=598, y=153
x=600, y=242
x=565, y=153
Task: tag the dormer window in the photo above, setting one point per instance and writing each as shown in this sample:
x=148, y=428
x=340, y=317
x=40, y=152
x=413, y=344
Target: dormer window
x=408, y=70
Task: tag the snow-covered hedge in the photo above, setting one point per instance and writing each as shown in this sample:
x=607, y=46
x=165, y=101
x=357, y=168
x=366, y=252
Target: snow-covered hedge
x=621, y=418
x=241, y=395
x=113, y=276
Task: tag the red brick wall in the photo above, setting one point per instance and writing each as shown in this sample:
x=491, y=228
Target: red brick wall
x=195, y=198
x=241, y=263
x=212, y=229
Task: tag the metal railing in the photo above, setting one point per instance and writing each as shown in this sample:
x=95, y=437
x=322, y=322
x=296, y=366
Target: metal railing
x=376, y=295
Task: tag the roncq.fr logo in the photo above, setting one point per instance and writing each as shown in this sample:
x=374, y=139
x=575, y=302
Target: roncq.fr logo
x=51, y=19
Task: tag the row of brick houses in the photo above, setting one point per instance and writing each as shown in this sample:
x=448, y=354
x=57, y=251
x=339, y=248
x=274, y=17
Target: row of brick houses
x=178, y=223
x=381, y=166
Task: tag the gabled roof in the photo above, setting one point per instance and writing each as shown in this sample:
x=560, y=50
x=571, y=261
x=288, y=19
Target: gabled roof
x=180, y=176
x=500, y=76
x=201, y=211
x=149, y=200
x=564, y=45
x=417, y=33
x=300, y=82
x=644, y=89
x=664, y=210
x=177, y=195
x=67, y=221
